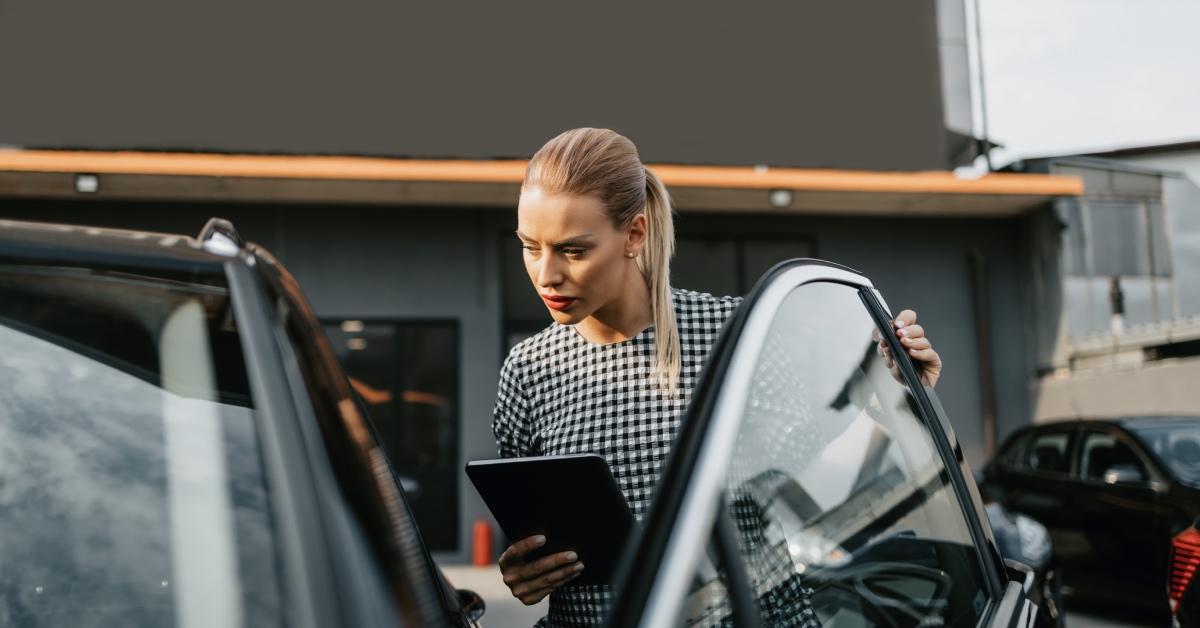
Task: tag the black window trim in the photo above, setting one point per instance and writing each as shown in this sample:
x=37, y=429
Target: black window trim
x=423, y=595
x=982, y=542
x=295, y=504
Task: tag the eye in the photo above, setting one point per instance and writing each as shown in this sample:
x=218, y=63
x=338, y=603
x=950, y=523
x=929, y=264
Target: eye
x=570, y=252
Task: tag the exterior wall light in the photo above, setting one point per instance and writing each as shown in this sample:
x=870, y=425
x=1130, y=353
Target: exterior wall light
x=780, y=198
x=87, y=183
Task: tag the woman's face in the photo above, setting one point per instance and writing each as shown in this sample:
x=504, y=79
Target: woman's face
x=575, y=258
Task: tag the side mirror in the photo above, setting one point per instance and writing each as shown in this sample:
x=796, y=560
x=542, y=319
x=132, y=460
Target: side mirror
x=1020, y=572
x=472, y=604
x=1124, y=474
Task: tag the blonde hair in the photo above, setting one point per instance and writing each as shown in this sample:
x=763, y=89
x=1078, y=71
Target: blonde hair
x=606, y=164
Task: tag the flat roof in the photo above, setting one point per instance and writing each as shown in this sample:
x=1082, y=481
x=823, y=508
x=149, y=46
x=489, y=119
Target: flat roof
x=304, y=178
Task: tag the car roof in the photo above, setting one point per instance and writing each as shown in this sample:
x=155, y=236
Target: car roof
x=49, y=243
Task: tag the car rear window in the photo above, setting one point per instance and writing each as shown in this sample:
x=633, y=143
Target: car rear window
x=131, y=486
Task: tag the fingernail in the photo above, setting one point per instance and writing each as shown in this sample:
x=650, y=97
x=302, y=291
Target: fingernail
x=899, y=323
x=572, y=556
x=539, y=540
x=578, y=567
x=903, y=333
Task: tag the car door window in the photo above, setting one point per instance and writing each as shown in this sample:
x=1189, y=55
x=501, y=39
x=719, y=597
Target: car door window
x=1049, y=453
x=842, y=503
x=1102, y=452
x=1012, y=456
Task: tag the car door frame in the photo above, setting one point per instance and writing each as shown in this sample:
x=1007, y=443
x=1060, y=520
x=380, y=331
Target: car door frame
x=329, y=552
x=1024, y=476
x=676, y=531
x=1092, y=494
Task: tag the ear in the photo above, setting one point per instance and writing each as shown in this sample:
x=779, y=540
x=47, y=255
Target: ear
x=635, y=234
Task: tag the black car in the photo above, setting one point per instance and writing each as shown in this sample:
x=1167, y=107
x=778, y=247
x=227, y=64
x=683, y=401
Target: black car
x=1117, y=494
x=180, y=447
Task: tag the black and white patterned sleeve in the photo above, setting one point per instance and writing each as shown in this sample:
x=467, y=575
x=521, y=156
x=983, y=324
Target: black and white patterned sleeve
x=510, y=418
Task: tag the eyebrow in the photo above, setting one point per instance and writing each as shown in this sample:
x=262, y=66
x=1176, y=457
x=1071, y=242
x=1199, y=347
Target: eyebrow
x=583, y=238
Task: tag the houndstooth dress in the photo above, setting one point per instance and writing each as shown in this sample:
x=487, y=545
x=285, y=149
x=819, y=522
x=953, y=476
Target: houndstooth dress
x=561, y=394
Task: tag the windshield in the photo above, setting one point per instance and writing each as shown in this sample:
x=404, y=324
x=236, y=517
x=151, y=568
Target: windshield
x=1176, y=442
x=131, y=487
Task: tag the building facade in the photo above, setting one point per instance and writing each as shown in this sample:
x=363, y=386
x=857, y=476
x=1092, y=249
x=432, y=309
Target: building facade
x=377, y=151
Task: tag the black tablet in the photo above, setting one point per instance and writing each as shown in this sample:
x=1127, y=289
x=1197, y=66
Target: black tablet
x=573, y=500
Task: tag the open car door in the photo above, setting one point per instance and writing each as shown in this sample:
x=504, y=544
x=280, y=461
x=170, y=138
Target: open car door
x=815, y=481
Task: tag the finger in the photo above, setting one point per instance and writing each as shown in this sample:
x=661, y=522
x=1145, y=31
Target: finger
x=546, y=564
x=915, y=343
x=875, y=335
x=905, y=318
x=516, y=551
x=925, y=355
x=537, y=596
x=911, y=331
x=548, y=580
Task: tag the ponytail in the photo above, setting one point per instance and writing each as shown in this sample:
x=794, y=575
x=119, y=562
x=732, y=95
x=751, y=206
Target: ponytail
x=655, y=264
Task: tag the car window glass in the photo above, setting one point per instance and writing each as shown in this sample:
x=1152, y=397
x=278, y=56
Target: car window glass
x=1049, y=453
x=132, y=491
x=1011, y=456
x=1176, y=443
x=842, y=504
x=1102, y=451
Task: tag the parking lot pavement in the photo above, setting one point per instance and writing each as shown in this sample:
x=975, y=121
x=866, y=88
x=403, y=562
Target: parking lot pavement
x=1092, y=614
x=503, y=610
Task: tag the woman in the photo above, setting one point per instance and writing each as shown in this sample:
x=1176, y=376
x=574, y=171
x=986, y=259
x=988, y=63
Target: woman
x=614, y=372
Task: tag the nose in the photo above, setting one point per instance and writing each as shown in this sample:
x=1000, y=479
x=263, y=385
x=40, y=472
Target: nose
x=547, y=272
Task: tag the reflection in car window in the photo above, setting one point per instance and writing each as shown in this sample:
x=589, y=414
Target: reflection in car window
x=1011, y=457
x=842, y=504
x=1102, y=451
x=1176, y=442
x=131, y=489
x=1048, y=453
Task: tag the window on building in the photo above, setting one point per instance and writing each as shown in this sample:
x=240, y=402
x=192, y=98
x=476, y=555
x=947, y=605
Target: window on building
x=406, y=374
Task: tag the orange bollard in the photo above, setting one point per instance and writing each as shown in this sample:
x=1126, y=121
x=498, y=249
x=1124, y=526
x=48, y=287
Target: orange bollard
x=483, y=544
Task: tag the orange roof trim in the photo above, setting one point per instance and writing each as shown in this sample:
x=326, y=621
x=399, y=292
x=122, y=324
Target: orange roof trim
x=512, y=171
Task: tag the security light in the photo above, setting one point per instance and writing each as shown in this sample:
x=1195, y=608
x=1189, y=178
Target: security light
x=780, y=198
x=87, y=183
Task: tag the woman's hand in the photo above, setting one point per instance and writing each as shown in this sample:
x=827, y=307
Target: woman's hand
x=530, y=582
x=920, y=349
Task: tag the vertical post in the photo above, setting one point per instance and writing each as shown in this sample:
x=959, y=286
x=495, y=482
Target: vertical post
x=983, y=343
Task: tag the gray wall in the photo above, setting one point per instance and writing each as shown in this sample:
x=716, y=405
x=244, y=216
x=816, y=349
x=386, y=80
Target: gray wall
x=853, y=84
x=444, y=263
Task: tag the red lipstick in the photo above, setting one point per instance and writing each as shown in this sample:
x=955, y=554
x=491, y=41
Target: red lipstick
x=556, y=302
